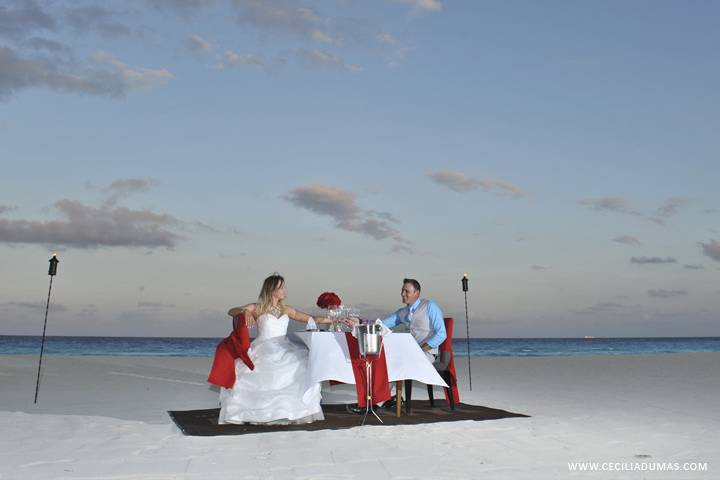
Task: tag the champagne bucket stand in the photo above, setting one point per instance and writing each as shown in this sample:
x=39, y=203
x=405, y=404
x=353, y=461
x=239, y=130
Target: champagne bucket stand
x=370, y=345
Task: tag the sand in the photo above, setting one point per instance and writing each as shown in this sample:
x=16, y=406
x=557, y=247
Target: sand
x=105, y=418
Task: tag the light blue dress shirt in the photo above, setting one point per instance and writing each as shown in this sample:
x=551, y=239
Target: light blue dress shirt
x=434, y=314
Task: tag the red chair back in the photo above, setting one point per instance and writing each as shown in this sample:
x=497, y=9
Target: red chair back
x=446, y=346
x=235, y=345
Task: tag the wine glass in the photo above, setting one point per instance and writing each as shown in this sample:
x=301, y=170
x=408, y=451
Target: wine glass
x=354, y=314
x=333, y=315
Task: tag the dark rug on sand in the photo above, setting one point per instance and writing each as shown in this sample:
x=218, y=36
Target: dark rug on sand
x=204, y=422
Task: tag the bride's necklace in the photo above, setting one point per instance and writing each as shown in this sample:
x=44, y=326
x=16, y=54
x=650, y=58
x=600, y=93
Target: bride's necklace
x=275, y=311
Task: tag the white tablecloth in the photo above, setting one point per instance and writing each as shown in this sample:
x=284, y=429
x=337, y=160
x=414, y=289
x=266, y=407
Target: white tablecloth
x=329, y=359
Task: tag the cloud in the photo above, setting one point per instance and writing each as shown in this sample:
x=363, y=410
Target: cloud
x=659, y=293
x=197, y=43
x=324, y=200
x=18, y=73
x=232, y=59
x=377, y=229
x=279, y=16
x=672, y=206
x=182, y=7
x=39, y=43
x=90, y=227
x=285, y=17
x=124, y=187
x=23, y=18
x=454, y=180
x=29, y=16
x=493, y=183
x=395, y=50
x=133, y=78
x=324, y=59
x=620, y=205
x=400, y=248
x=200, y=226
x=609, y=204
x=341, y=207
x=711, y=249
x=693, y=267
x=97, y=18
x=383, y=215
x=423, y=5
x=459, y=182
x=387, y=39
x=652, y=260
x=104, y=76
x=627, y=240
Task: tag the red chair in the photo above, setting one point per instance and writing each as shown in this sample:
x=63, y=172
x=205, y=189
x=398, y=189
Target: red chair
x=236, y=345
x=445, y=365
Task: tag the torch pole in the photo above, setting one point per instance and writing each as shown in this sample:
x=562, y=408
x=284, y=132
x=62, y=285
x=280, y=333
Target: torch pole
x=467, y=339
x=465, y=288
x=42, y=344
x=52, y=271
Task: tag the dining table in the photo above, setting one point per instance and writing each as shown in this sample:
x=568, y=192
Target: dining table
x=329, y=359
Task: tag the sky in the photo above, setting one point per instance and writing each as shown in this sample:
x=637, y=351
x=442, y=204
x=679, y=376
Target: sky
x=174, y=153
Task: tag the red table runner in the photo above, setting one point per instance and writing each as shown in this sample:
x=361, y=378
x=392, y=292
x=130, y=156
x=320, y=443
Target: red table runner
x=380, y=384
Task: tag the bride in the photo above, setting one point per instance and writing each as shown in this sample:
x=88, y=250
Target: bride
x=274, y=392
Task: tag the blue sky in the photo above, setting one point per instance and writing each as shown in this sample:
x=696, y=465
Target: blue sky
x=176, y=152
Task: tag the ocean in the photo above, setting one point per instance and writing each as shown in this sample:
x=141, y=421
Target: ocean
x=479, y=347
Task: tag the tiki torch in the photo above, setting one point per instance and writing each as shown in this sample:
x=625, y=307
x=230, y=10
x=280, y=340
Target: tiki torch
x=467, y=325
x=52, y=271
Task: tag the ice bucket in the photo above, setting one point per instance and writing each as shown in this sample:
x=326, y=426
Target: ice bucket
x=369, y=339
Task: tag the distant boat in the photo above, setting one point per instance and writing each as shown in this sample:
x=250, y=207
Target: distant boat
x=587, y=337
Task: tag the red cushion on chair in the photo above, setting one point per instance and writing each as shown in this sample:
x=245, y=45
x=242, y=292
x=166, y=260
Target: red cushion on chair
x=236, y=345
x=446, y=346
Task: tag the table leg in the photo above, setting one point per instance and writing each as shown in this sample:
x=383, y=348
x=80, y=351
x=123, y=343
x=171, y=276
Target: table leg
x=398, y=397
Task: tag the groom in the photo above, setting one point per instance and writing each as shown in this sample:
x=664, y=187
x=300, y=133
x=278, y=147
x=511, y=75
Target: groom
x=424, y=318
x=425, y=321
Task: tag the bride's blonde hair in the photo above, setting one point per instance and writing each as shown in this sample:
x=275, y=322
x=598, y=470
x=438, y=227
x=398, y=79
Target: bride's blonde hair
x=271, y=283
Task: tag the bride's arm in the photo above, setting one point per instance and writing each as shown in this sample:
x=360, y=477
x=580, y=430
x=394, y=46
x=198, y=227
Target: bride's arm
x=248, y=310
x=299, y=316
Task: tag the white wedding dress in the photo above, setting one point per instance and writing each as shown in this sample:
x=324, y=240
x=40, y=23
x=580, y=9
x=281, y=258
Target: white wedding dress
x=274, y=392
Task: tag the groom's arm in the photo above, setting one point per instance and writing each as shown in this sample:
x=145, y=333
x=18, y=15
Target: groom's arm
x=392, y=320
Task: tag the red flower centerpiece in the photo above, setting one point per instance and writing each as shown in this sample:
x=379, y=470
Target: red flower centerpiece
x=328, y=300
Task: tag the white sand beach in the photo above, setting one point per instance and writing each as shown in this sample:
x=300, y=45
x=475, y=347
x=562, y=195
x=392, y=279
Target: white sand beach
x=105, y=418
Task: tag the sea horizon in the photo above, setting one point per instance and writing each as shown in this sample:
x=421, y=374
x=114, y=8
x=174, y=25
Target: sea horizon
x=479, y=347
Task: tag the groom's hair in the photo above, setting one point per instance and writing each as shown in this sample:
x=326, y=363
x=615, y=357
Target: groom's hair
x=412, y=282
